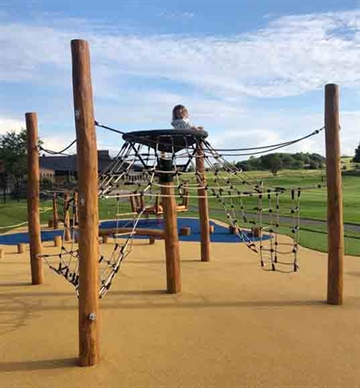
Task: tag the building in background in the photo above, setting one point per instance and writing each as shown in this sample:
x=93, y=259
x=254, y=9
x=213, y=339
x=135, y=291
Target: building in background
x=64, y=168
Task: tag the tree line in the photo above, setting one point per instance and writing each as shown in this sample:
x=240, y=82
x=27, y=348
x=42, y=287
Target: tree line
x=277, y=161
x=13, y=160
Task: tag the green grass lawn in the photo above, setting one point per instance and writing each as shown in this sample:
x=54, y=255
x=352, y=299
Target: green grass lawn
x=313, y=206
x=313, y=201
x=311, y=236
x=13, y=212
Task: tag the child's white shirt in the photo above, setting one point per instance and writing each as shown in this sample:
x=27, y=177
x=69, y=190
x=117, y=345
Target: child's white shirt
x=182, y=124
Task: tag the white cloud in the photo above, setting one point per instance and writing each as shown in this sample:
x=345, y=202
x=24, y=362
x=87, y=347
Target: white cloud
x=51, y=142
x=292, y=55
x=214, y=76
x=8, y=124
x=58, y=143
x=254, y=132
x=350, y=132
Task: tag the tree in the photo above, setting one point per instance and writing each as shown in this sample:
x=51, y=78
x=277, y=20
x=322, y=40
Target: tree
x=13, y=157
x=314, y=165
x=271, y=162
x=356, y=158
x=253, y=163
x=287, y=160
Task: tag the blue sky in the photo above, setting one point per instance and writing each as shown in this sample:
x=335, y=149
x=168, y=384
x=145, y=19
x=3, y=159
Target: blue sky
x=251, y=72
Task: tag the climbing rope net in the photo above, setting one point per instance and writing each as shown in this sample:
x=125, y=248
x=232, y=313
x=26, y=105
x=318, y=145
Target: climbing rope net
x=66, y=261
x=195, y=170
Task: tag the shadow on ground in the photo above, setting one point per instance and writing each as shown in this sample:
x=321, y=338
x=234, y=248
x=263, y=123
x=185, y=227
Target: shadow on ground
x=38, y=365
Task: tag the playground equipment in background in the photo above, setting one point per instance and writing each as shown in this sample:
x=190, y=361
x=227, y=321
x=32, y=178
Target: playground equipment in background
x=137, y=204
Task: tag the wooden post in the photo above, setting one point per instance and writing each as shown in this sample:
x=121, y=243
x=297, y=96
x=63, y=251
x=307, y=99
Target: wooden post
x=172, y=251
x=21, y=249
x=2, y=253
x=55, y=212
x=57, y=241
x=203, y=205
x=33, y=198
x=75, y=207
x=255, y=232
x=232, y=229
x=334, y=196
x=67, y=221
x=89, y=322
x=185, y=231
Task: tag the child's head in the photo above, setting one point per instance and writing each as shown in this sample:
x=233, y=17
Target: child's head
x=180, y=112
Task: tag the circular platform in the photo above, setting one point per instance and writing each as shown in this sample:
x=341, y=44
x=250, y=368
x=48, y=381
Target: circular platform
x=167, y=140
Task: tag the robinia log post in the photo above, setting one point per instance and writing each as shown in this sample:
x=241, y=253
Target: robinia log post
x=203, y=204
x=172, y=251
x=89, y=325
x=55, y=212
x=67, y=225
x=33, y=198
x=334, y=196
x=75, y=208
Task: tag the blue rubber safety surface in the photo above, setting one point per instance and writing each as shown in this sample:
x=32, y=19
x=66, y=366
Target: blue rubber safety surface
x=221, y=234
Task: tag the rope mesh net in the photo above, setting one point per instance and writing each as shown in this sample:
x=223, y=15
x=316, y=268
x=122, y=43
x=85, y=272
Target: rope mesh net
x=197, y=169
x=66, y=262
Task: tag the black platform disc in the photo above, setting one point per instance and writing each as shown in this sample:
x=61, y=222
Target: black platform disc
x=167, y=140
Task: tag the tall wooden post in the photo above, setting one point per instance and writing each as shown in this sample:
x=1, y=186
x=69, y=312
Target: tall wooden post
x=67, y=221
x=75, y=208
x=89, y=353
x=33, y=198
x=334, y=196
x=172, y=251
x=203, y=205
x=55, y=212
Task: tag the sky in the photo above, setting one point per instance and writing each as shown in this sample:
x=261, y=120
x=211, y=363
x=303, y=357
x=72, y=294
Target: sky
x=252, y=72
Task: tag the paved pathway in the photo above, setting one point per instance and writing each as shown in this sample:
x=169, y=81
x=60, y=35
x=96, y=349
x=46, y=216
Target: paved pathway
x=347, y=227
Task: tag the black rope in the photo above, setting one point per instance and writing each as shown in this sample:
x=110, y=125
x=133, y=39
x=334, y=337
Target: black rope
x=278, y=145
x=109, y=128
x=257, y=152
x=264, y=149
x=51, y=152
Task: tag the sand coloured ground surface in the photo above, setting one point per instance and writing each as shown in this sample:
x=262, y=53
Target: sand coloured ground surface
x=233, y=325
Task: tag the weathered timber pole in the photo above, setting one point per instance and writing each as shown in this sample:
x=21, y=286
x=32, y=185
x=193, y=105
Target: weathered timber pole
x=89, y=325
x=334, y=196
x=172, y=250
x=75, y=209
x=67, y=221
x=203, y=204
x=33, y=198
x=55, y=212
